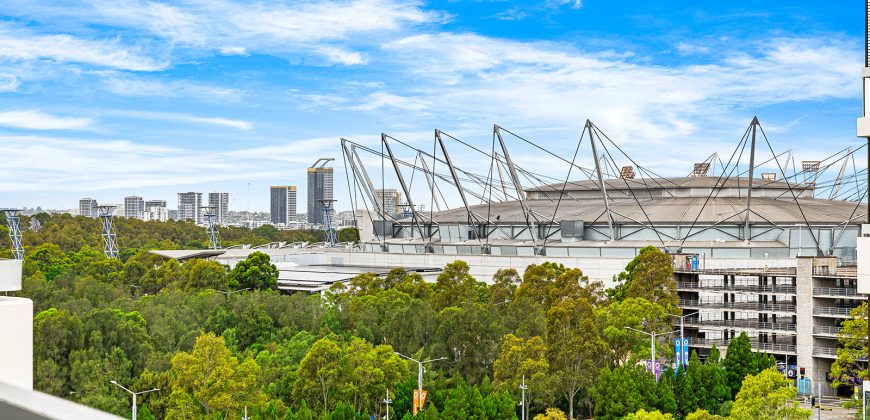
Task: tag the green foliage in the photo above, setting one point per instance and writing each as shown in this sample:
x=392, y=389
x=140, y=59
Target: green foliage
x=647, y=415
x=623, y=391
x=853, y=345
x=767, y=395
x=254, y=272
x=575, y=348
x=348, y=234
x=739, y=362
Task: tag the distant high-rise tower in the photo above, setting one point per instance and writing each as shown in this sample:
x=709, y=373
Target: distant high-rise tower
x=134, y=207
x=189, y=204
x=390, y=200
x=219, y=202
x=319, y=189
x=283, y=204
x=88, y=207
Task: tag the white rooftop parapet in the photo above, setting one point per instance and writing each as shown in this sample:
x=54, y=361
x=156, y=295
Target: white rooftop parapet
x=10, y=275
x=16, y=329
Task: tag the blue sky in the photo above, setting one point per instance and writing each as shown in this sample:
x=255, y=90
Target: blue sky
x=115, y=98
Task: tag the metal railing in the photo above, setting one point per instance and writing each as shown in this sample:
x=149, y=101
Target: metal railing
x=825, y=351
x=756, y=345
x=827, y=330
x=831, y=310
x=740, y=323
x=835, y=291
x=784, y=289
x=761, y=271
x=747, y=306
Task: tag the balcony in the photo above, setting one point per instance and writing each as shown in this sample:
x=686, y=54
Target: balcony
x=837, y=292
x=826, y=352
x=740, y=323
x=10, y=275
x=704, y=287
x=832, y=311
x=756, y=345
x=827, y=331
x=742, y=306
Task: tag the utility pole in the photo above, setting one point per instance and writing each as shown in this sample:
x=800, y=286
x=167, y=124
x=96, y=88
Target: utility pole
x=419, y=374
x=523, y=387
x=682, y=335
x=134, y=394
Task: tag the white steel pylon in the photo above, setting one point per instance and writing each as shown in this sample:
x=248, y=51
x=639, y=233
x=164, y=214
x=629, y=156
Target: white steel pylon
x=331, y=239
x=211, y=228
x=14, y=232
x=110, y=247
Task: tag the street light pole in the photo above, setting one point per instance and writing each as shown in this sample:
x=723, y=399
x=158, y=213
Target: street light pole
x=682, y=335
x=134, y=394
x=523, y=387
x=387, y=402
x=652, y=339
x=419, y=373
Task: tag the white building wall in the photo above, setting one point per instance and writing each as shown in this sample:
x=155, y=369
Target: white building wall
x=16, y=330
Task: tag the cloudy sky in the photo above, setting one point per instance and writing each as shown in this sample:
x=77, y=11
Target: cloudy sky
x=114, y=98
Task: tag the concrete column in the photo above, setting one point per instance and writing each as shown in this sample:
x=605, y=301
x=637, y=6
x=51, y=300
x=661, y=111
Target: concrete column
x=804, y=306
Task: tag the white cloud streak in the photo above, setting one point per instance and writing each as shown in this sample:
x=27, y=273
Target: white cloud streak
x=36, y=120
x=25, y=45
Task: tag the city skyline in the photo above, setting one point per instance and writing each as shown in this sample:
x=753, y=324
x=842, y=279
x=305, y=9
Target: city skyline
x=274, y=100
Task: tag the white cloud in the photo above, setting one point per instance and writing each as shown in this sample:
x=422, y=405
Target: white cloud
x=131, y=85
x=36, y=120
x=8, y=82
x=184, y=118
x=66, y=164
x=324, y=28
x=111, y=53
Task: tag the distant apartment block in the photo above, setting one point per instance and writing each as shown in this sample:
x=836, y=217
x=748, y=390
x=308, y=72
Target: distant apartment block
x=390, y=200
x=319, y=188
x=88, y=207
x=283, y=204
x=189, y=204
x=159, y=214
x=150, y=204
x=134, y=207
x=219, y=202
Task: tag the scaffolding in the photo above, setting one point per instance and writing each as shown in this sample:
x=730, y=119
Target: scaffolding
x=12, y=223
x=211, y=228
x=110, y=246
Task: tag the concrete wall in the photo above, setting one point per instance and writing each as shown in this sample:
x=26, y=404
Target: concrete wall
x=16, y=344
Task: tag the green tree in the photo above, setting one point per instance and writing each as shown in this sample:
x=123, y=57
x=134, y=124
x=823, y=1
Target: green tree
x=202, y=274
x=454, y=286
x=575, y=350
x=211, y=379
x=649, y=275
x=551, y=414
x=637, y=313
x=739, y=362
x=254, y=272
x=519, y=359
x=767, y=395
x=648, y=415
x=320, y=374
x=348, y=234
x=622, y=391
x=853, y=345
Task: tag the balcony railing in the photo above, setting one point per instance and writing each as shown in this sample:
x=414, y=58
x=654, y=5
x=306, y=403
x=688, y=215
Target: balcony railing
x=756, y=345
x=835, y=291
x=825, y=351
x=740, y=323
x=746, y=306
x=784, y=289
x=827, y=330
x=831, y=310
